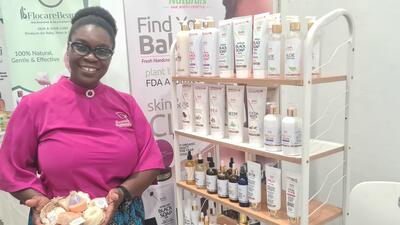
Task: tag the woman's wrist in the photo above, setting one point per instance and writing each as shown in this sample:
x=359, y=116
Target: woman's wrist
x=126, y=195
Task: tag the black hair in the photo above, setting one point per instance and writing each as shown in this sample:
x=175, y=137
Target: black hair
x=97, y=16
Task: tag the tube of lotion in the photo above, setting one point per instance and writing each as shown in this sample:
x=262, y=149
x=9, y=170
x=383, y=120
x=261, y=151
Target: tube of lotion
x=187, y=107
x=210, y=45
x=201, y=109
x=225, y=57
x=260, y=40
x=293, y=203
x=273, y=185
x=235, y=97
x=256, y=106
x=242, y=29
x=254, y=188
x=217, y=110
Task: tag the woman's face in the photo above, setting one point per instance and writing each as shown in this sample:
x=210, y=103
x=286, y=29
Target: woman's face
x=87, y=70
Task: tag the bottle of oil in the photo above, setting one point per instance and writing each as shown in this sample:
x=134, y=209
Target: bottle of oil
x=189, y=168
x=242, y=188
x=211, y=178
x=233, y=185
x=200, y=173
x=222, y=182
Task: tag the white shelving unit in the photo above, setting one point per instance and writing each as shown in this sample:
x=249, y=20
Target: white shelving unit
x=315, y=212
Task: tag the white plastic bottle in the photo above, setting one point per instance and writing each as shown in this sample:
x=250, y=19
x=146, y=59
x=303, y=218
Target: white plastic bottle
x=182, y=51
x=293, y=49
x=316, y=52
x=274, y=55
x=291, y=133
x=272, y=130
x=210, y=49
x=195, y=50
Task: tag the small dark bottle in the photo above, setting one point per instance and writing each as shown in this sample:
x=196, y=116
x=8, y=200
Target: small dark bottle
x=229, y=170
x=233, y=185
x=242, y=188
x=211, y=178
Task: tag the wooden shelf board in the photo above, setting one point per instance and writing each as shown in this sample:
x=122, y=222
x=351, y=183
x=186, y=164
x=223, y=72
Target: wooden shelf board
x=318, y=149
x=324, y=215
x=263, y=82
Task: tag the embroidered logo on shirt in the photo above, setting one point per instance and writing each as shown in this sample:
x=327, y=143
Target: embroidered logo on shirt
x=123, y=120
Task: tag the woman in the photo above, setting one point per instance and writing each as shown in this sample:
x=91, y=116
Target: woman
x=80, y=134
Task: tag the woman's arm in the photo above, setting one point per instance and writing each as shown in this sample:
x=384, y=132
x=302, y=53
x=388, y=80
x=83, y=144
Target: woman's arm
x=25, y=194
x=138, y=182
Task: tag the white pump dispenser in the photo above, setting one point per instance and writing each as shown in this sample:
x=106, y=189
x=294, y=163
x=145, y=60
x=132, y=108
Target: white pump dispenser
x=293, y=48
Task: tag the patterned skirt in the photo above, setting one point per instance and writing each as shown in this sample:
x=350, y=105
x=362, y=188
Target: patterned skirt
x=128, y=213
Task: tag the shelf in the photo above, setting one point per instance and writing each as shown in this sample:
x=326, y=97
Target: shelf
x=324, y=215
x=318, y=149
x=264, y=82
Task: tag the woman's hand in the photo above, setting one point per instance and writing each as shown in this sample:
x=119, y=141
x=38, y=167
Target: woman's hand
x=114, y=199
x=37, y=203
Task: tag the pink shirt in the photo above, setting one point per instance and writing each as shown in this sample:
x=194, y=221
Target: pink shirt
x=76, y=142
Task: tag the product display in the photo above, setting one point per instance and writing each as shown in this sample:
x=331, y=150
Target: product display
x=211, y=178
x=77, y=208
x=275, y=60
x=187, y=107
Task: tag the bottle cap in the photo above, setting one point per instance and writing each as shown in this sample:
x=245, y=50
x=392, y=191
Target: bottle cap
x=273, y=109
x=189, y=155
x=310, y=21
x=198, y=24
x=211, y=164
x=194, y=205
x=209, y=157
x=231, y=162
x=184, y=26
x=243, y=219
x=292, y=112
x=200, y=158
x=276, y=28
x=294, y=23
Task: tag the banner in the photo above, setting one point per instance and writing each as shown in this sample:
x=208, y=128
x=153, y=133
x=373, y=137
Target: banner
x=5, y=84
x=36, y=49
x=151, y=27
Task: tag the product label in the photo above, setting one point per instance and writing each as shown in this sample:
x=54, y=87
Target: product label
x=209, y=53
x=195, y=54
x=272, y=193
x=233, y=191
x=272, y=133
x=292, y=57
x=254, y=127
x=187, y=107
x=243, y=195
x=274, y=58
x=225, y=56
x=201, y=108
x=291, y=136
x=200, y=178
x=211, y=181
x=291, y=195
x=188, y=219
x=223, y=188
x=240, y=59
x=259, y=45
x=189, y=173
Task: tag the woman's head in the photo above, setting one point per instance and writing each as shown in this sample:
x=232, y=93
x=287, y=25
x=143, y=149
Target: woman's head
x=91, y=42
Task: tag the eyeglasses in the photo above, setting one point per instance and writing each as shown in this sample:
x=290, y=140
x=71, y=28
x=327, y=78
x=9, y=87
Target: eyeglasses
x=84, y=50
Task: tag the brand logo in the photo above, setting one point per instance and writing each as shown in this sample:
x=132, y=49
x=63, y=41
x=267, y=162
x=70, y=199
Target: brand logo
x=183, y=2
x=44, y=17
x=122, y=120
x=50, y=3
